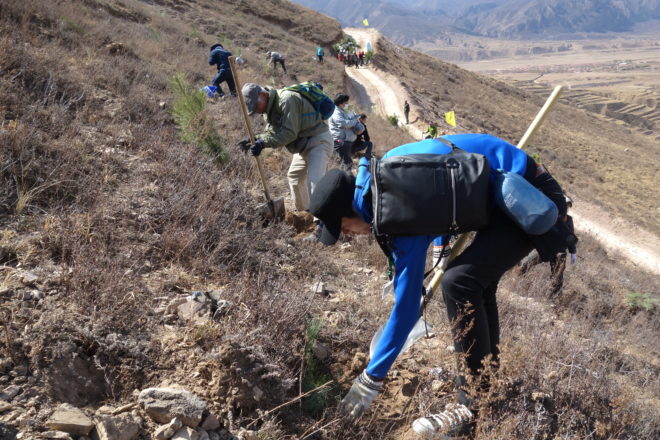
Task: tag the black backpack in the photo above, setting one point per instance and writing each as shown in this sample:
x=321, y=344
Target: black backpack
x=430, y=194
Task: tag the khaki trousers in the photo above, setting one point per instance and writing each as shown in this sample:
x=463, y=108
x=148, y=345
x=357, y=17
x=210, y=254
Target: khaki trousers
x=308, y=167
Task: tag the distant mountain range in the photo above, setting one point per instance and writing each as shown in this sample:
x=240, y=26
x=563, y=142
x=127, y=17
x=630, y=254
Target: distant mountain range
x=408, y=22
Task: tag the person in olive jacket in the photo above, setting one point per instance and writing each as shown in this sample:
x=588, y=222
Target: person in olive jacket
x=293, y=123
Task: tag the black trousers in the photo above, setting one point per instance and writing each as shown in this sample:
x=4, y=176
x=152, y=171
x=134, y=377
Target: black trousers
x=344, y=150
x=224, y=76
x=469, y=286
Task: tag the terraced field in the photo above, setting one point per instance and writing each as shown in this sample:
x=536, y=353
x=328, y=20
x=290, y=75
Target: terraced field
x=642, y=115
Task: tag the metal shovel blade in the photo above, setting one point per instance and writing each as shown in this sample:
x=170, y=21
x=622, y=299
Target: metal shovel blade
x=419, y=330
x=274, y=209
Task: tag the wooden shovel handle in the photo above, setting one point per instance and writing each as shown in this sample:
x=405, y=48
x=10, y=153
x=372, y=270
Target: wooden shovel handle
x=536, y=123
x=246, y=118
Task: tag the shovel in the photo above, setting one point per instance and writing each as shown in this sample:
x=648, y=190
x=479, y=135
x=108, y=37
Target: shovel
x=421, y=326
x=272, y=209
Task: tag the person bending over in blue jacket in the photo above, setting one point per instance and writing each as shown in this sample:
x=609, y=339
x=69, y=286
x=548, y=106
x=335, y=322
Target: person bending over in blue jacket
x=220, y=57
x=468, y=286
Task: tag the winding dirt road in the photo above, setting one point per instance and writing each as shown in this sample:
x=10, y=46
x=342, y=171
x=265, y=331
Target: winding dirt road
x=384, y=93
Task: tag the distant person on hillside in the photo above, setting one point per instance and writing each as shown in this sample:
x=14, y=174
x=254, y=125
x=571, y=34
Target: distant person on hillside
x=220, y=57
x=344, y=128
x=361, y=57
x=320, y=53
x=557, y=264
x=406, y=111
x=363, y=141
x=291, y=122
x=274, y=59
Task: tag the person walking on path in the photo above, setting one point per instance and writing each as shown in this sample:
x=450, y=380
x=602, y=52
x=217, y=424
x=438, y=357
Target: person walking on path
x=363, y=141
x=406, y=111
x=557, y=264
x=468, y=286
x=220, y=57
x=291, y=122
x=274, y=59
x=320, y=53
x=344, y=128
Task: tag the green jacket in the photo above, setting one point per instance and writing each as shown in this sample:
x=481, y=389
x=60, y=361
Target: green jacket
x=290, y=119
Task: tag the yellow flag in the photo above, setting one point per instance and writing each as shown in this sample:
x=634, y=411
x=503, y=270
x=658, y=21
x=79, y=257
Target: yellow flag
x=450, y=117
x=365, y=22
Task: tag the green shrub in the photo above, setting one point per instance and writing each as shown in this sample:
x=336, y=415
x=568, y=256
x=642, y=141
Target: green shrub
x=314, y=375
x=394, y=120
x=74, y=26
x=432, y=131
x=637, y=301
x=189, y=112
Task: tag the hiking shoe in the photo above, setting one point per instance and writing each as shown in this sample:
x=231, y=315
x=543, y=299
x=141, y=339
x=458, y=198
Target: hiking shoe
x=452, y=423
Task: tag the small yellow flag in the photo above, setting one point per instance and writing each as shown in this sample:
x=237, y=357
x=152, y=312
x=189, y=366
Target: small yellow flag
x=450, y=117
x=365, y=22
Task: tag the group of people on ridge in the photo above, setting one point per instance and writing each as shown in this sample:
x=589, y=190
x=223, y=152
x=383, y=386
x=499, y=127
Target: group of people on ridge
x=343, y=202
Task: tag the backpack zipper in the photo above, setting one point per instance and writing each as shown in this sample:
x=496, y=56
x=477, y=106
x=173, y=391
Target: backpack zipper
x=453, y=165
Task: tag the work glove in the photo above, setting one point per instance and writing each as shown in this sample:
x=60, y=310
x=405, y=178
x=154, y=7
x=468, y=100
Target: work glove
x=363, y=391
x=573, y=258
x=244, y=145
x=255, y=148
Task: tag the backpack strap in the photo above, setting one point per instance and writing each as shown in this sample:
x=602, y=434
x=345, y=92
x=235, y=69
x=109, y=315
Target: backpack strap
x=384, y=243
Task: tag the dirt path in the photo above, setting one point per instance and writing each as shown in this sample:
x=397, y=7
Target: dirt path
x=374, y=87
x=378, y=89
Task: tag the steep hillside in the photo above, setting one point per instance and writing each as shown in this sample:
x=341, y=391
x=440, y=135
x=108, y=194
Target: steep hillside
x=594, y=159
x=556, y=18
x=131, y=257
x=412, y=22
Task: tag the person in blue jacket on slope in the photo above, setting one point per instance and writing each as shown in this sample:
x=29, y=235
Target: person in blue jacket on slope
x=343, y=204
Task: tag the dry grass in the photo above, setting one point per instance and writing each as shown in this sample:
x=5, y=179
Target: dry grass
x=116, y=217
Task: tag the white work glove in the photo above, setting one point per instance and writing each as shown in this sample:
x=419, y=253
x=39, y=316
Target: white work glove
x=573, y=258
x=363, y=391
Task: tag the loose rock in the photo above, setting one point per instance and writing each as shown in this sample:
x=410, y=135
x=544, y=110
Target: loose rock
x=321, y=351
x=211, y=423
x=56, y=435
x=9, y=393
x=120, y=427
x=319, y=288
x=186, y=433
x=197, y=308
x=70, y=419
x=163, y=404
x=167, y=431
